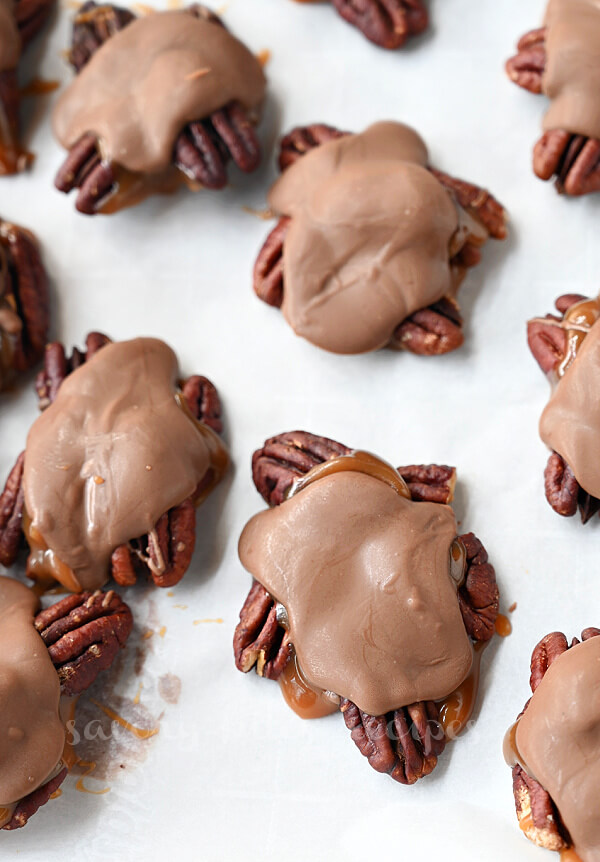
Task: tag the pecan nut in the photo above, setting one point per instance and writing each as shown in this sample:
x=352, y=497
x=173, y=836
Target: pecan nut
x=537, y=814
x=431, y=331
x=302, y=139
x=478, y=597
x=31, y=15
x=57, y=366
x=386, y=23
x=260, y=641
x=11, y=514
x=83, y=634
x=527, y=66
x=407, y=742
x=202, y=149
x=28, y=806
x=24, y=301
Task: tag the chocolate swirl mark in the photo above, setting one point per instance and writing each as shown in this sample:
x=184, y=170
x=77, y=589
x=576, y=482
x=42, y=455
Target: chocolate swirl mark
x=300, y=687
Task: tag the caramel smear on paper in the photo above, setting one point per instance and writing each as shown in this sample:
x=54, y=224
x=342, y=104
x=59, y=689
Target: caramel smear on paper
x=81, y=786
x=140, y=732
x=39, y=87
x=264, y=215
x=208, y=620
x=162, y=632
x=503, y=626
x=263, y=57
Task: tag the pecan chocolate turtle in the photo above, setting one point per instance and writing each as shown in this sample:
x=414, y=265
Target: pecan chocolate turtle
x=132, y=126
x=24, y=302
x=352, y=563
x=566, y=347
x=556, y=738
x=83, y=635
x=20, y=21
x=114, y=467
x=386, y=23
x=562, y=61
x=372, y=243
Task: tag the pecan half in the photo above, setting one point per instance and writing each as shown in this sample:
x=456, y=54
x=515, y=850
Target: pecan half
x=564, y=493
x=12, y=158
x=31, y=15
x=201, y=151
x=387, y=23
x=28, y=806
x=527, y=66
x=537, y=814
x=83, y=634
x=301, y=139
x=573, y=159
x=93, y=25
x=24, y=301
x=430, y=331
x=57, y=366
x=11, y=514
x=260, y=641
x=478, y=597
x=406, y=743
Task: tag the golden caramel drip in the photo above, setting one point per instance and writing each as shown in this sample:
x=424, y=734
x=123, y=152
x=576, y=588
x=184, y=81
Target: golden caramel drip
x=306, y=701
x=39, y=87
x=354, y=462
x=569, y=855
x=503, y=626
x=43, y=566
x=577, y=321
x=457, y=708
x=132, y=188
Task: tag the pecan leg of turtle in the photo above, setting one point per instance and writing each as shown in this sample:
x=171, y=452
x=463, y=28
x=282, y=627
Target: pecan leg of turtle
x=547, y=342
x=478, y=597
x=24, y=283
x=573, y=159
x=268, y=269
x=28, y=806
x=386, y=23
x=165, y=553
x=432, y=483
x=12, y=158
x=301, y=139
x=93, y=25
x=260, y=641
x=57, y=366
x=11, y=514
x=405, y=743
x=83, y=634
x=431, y=331
x=537, y=814
x=561, y=486
x=527, y=66
x=31, y=15
x=478, y=202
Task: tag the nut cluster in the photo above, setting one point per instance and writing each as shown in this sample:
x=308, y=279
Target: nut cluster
x=406, y=743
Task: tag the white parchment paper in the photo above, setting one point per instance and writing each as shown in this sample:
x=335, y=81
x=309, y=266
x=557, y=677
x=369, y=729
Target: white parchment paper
x=232, y=772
